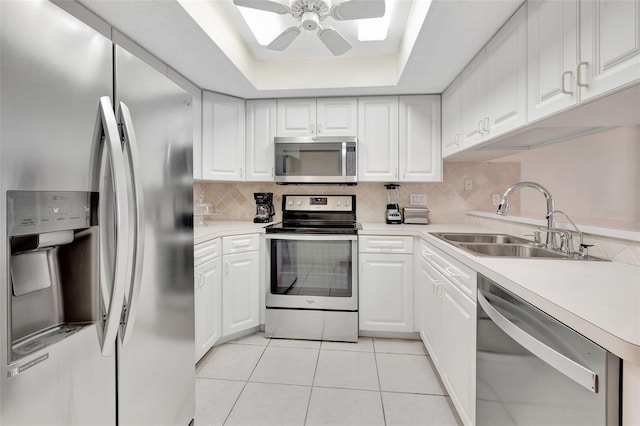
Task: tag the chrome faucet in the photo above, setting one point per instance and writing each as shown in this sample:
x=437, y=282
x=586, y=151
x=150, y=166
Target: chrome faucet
x=503, y=207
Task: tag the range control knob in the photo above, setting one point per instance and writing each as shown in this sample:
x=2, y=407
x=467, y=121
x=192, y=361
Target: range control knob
x=289, y=202
x=298, y=203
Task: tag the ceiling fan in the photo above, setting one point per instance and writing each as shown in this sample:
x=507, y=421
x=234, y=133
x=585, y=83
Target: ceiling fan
x=312, y=13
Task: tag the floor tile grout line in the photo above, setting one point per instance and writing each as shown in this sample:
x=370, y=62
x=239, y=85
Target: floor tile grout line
x=375, y=357
x=315, y=371
x=264, y=349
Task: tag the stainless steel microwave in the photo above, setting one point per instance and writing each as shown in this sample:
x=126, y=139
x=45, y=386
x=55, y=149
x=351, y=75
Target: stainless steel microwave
x=321, y=160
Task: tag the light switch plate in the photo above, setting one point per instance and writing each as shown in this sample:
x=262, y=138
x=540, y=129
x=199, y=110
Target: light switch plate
x=418, y=199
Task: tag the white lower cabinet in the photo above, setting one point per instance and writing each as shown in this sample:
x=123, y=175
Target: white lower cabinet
x=448, y=327
x=208, y=306
x=208, y=296
x=240, y=283
x=386, y=284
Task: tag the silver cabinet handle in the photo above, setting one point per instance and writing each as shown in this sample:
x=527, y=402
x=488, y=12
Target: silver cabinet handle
x=480, y=126
x=319, y=128
x=486, y=128
x=312, y=128
x=240, y=171
x=106, y=137
x=576, y=372
x=395, y=173
x=564, y=80
x=137, y=234
x=579, y=82
x=457, y=140
x=226, y=267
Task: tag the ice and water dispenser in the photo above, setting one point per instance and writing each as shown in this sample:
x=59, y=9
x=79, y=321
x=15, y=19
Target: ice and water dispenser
x=53, y=267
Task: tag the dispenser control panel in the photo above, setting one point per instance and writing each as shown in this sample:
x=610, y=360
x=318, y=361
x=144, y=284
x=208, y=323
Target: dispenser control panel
x=35, y=212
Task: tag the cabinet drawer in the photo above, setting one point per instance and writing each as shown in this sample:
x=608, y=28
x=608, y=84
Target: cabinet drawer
x=240, y=243
x=385, y=244
x=204, y=252
x=460, y=275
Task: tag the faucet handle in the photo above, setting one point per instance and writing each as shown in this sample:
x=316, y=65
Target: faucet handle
x=583, y=251
x=537, y=237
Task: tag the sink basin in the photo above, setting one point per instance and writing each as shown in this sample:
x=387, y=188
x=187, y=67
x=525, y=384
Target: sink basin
x=512, y=250
x=504, y=245
x=483, y=238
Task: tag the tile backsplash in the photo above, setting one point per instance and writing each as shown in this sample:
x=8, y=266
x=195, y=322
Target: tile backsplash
x=447, y=201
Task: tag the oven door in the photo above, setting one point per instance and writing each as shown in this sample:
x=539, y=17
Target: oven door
x=312, y=271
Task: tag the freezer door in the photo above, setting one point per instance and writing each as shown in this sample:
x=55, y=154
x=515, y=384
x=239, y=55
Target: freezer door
x=156, y=372
x=53, y=71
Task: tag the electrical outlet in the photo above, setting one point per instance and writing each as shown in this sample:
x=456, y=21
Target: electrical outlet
x=468, y=184
x=418, y=199
x=495, y=199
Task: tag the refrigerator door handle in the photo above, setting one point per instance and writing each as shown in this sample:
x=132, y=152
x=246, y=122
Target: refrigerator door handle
x=137, y=234
x=106, y=136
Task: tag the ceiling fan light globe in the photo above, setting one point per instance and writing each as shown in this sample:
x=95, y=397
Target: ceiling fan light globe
x=310, y=21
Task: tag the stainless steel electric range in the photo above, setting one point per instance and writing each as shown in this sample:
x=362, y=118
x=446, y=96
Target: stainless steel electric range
x=313, y=269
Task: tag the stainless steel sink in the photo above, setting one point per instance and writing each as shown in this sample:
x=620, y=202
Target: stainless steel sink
x=504, y=245
x=512, y=250
x=483, y=238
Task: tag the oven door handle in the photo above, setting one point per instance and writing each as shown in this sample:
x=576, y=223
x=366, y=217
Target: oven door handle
x=574, y=371
x=312, y=237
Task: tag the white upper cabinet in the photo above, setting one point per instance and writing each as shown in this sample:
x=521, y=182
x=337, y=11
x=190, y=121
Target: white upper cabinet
x=261, y=129
x=378, y=138
x=506, y=66
x=296, y=117
x=609, y=45
x=399, y=139
x=552, y=56
x=223, y=137
x=317, y=117
x=420, y=157
x=474, y=101
x=452, y=119
x=337, y=117
x=494, y=84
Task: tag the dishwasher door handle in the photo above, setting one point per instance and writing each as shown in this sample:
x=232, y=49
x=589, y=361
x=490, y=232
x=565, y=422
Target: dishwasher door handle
x=576, y=372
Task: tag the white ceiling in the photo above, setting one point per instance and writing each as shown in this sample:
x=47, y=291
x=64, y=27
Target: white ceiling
x=431, y=53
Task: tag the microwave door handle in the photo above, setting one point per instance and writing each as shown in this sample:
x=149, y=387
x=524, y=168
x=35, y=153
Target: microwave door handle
x=107, y=138
x=574, y=371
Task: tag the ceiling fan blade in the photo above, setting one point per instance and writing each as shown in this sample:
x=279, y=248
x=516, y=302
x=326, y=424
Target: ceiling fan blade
x=334, y=41
x=358, y=9
x=284, y=39
x=266, y=5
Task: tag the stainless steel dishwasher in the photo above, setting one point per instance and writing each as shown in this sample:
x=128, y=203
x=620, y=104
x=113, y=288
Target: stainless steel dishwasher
x=533, y=370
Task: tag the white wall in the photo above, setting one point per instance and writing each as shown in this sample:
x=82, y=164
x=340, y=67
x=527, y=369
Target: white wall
x=595, y=179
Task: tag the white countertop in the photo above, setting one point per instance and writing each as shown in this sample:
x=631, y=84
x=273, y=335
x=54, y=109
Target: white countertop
x=223, y=228
x=600, y=300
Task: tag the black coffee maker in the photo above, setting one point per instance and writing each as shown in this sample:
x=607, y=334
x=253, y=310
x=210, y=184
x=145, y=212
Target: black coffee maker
x=264, y=207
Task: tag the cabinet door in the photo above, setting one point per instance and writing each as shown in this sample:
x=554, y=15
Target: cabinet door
x=208, y=306
x=386, y=292
x=378, y=139
x=337, y=117
x=261, y=129
x=506, y=68
x=432, y=292
x=609, y=45
x=296, y=117
x=552, y=56
x=458, y=354
x=474, y=111
x=240, y=287
x=452, y=119
x=420, y=157
x=222, y=137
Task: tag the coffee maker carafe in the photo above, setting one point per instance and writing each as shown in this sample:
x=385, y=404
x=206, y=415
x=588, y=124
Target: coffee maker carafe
x=264, y=207
x=392, y=213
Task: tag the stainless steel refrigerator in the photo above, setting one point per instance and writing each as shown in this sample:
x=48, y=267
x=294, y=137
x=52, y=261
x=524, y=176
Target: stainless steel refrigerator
x=96, y=264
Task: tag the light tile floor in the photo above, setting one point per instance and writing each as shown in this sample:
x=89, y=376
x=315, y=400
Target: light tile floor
x=260, y=381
